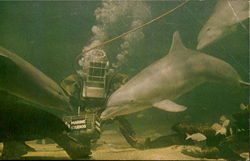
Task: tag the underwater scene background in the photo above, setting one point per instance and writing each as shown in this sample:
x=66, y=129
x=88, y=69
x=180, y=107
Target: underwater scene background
x=51, y=34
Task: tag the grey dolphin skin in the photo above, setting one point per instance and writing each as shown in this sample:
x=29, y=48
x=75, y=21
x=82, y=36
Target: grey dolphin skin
x=227, y=14
x=167, y=79
x=23, y=80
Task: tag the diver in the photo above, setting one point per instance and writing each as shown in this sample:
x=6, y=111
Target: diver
x=89, y=90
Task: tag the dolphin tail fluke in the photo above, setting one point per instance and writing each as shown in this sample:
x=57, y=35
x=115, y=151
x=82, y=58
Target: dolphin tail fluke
x=244, y=83
x=187, y=136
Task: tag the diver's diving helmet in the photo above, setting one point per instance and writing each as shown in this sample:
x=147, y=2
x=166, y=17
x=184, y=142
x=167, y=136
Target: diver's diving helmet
x=94, y=66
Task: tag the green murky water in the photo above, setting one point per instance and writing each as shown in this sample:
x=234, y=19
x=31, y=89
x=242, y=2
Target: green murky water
x=51, y=34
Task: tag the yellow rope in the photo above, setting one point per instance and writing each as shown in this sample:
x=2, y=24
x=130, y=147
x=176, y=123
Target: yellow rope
x=134, y=29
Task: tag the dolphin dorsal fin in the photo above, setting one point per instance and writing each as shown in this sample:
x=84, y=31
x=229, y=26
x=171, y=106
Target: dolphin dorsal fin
x=176, y=43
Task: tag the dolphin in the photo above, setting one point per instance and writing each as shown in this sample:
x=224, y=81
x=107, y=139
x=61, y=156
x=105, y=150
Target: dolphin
x=21, y=79
x=227, y=14
x=167, y=79
x=21, y=121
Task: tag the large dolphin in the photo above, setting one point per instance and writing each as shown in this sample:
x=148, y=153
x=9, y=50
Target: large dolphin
x=20, y=78
x=227, y=14
x=167, y=79
x=21, y=121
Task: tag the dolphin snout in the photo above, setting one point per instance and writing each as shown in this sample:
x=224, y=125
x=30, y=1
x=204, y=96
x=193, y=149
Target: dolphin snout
x=108, y=113
x=104, y=116
x=199, y=46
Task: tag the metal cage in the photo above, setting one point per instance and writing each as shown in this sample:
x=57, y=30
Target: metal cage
x=95, y=84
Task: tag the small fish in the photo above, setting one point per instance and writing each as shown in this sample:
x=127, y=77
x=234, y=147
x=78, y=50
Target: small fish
x=216, y=126
x=243, y=107
x=226, y=123
x=240, y=130
x=223, y=118
x=219, y=129
x=222, y=131
x=196, y=137
x=245, y=155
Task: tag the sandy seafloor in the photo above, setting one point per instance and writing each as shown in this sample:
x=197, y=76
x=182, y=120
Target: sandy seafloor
x=112, y=146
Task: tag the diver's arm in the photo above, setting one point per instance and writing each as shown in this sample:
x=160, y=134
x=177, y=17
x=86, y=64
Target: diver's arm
x=161, y=141
x=128, y=133
x=115, y=80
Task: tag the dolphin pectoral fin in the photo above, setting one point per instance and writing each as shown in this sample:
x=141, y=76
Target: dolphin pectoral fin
x=244, y=83
x=169, y=106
